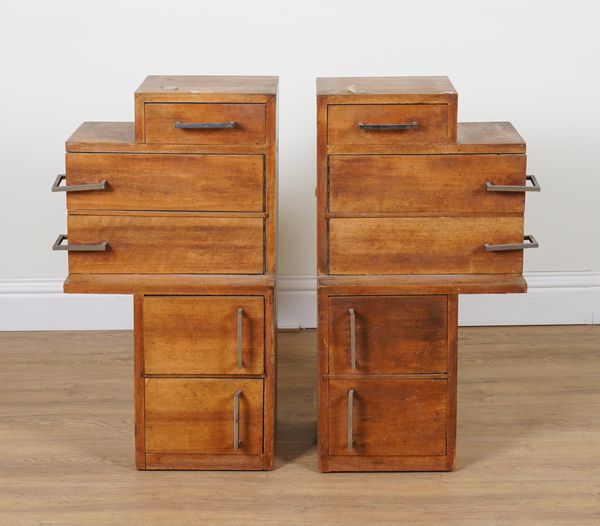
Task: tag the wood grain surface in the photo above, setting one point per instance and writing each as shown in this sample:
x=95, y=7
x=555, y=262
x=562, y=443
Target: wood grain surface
x=425, y=184
x=343, y=121
x=199, y=335
x=160, y=120
x=424, y=245
x=151, y=244
x=393, y=334
x=528, y=434
x=167, y=182
x=396, y=417
x=195, y=415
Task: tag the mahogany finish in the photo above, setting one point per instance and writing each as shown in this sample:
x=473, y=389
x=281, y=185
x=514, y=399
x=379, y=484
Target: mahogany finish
x=183, y=214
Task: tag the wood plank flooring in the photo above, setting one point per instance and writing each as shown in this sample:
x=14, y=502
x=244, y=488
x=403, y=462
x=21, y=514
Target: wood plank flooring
x=528, y=441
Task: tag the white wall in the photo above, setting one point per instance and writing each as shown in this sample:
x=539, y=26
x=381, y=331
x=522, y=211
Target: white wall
x=532, y=63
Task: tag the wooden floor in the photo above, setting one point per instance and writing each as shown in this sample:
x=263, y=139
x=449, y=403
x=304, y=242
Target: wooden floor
x=528, y=441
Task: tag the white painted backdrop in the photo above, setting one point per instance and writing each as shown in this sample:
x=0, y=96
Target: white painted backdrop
x=532, y=63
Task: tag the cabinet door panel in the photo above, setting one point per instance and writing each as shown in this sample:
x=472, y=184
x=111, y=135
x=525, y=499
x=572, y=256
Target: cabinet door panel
x=192, y=415
x=389, y=417
x=392, y=334
x=200, y=334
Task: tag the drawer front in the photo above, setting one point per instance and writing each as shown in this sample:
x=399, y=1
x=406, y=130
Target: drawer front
x=350, y=123
x=162, y=121
x=167, y=244
x=426, y=184
x=388, y=334
x=424, y=245
x=203, y=334
x=194, y=415
x=226, y=183
x=387, y=417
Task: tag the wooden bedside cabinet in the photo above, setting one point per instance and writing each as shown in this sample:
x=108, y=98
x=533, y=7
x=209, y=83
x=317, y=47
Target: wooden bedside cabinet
x=179, y=208
x=412, y=210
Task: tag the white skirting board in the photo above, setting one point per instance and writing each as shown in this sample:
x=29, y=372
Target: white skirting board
x=554, y=298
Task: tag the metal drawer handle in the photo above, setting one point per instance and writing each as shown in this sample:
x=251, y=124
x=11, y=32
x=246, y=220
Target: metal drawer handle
x=388, y=127
x=519, y=246
x=240, y=337
x=350, y=418
x=535, y=186
x=98, y=247
x=205, y=125
x=76, y=187
x=236, y=419
x=352, y=338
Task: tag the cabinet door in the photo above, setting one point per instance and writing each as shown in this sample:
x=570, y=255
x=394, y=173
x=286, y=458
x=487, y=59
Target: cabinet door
x=203, y=334
x=193, y=415
x=388, y=334
x=387, y=417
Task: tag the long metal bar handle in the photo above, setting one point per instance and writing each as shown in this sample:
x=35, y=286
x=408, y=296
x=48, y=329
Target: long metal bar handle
x=205, y=125
x=535, y=186
x=352, y=338
x=240, y=337
x=102, y=185
x=532, y=243
x=97, y=247
x=236, y=419
x=350, y=418
x=388, y=127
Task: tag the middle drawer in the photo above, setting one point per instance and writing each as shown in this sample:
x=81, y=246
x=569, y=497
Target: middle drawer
x=203, y=334
x=221, y=183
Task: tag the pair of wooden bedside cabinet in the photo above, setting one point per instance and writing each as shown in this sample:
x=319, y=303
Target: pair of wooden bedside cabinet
x=179, y=209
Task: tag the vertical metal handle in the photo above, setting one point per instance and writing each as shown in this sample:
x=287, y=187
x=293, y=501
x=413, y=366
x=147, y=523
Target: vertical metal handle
x=350, y=418
x=240, y=337
x=236, y=419
x=352, y=338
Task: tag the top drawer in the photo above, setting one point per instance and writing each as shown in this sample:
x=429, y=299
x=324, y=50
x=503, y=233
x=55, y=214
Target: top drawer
x=204, y=123
x=387, y=124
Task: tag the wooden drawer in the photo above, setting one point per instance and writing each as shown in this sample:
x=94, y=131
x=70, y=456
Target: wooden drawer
x=203, y=123
x=351, y=123
x=425, y=184
x=390, y=334
x=167, y=182
x=388, y=417
x=424, y=245
x=203, y=334
x=166, y=244
x=193, y=415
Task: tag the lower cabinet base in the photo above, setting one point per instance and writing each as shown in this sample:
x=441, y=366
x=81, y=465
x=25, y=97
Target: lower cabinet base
x=386, y=380
x=177, y=461
x=205, y=379
x=364, y=463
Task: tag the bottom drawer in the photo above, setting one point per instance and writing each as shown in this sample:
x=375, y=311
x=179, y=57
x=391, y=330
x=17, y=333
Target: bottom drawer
x=165, y=244
x=194, y=415
x=393, y=417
